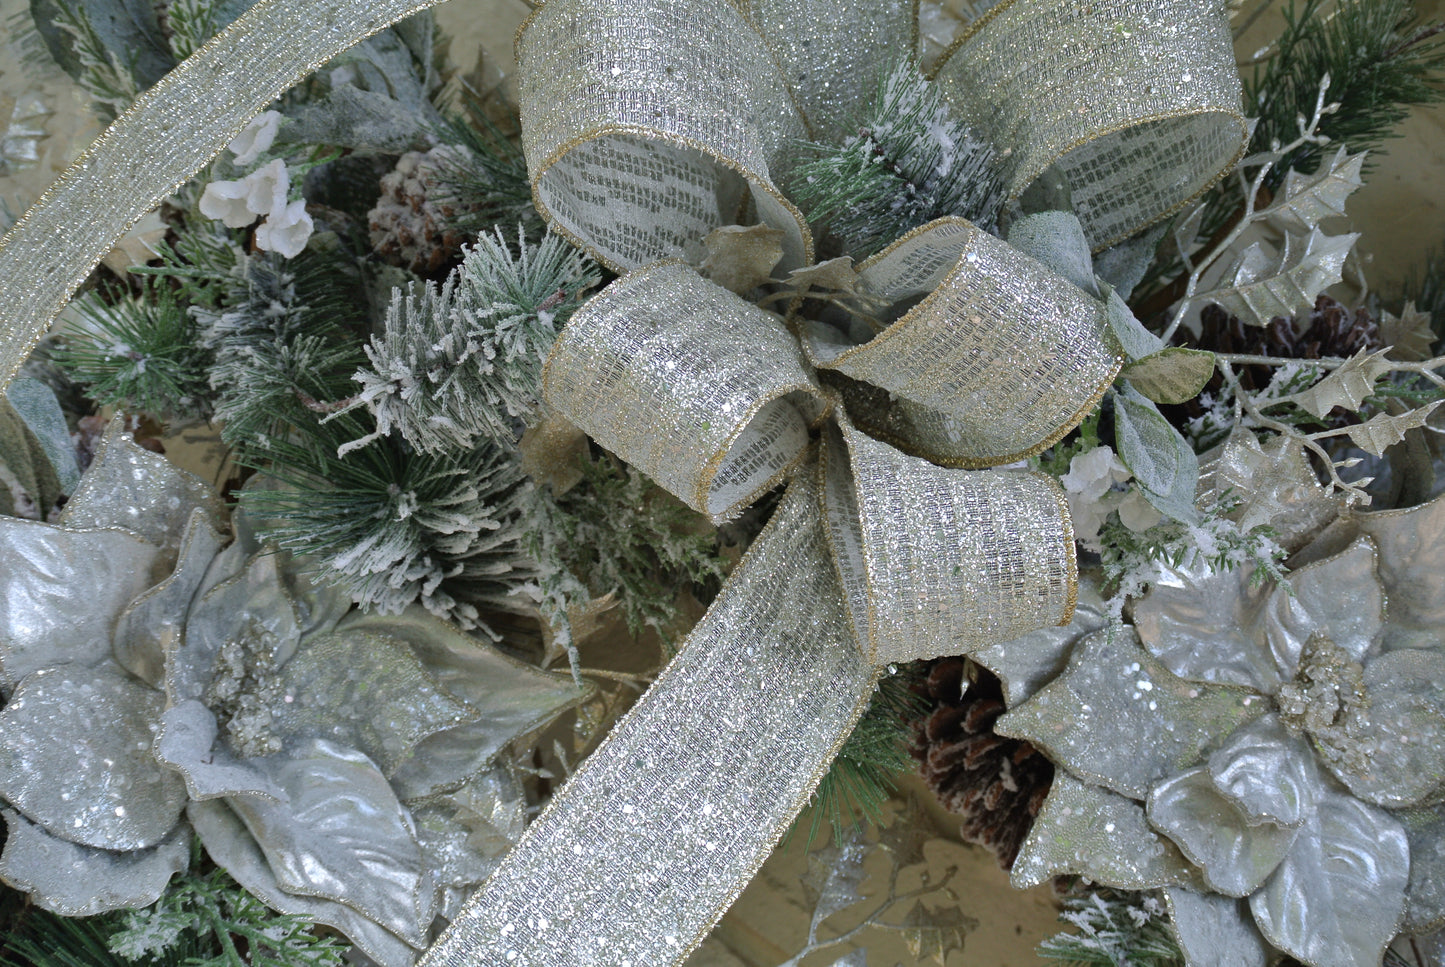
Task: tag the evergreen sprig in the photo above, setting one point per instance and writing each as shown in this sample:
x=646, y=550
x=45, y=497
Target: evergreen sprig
x=394, y=526
x=141, y=352
x=908, y=163
x=110, y=82
x=1115, y=929
x=486, y=183
x=462, y=364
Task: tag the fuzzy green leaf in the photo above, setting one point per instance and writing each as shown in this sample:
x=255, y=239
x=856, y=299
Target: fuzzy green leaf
x=1161, y=460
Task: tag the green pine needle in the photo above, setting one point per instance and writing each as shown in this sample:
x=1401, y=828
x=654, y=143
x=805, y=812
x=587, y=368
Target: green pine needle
x=487, y=184
x=1114, y=929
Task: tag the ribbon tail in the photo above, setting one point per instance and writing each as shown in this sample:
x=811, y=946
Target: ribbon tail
x=658, y=832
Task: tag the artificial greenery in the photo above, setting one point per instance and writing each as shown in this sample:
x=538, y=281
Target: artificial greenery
x=862, y=777
x=487, y=183
x=1114, y=929
x=908, y=163
x=459, y=365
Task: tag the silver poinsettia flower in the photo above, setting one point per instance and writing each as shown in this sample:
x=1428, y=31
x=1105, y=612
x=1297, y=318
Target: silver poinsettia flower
x=1273, y=755
x=338, y=765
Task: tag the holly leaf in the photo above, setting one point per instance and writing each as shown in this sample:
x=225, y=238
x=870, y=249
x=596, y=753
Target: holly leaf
x=1346, y=387
x=1161, y=460
x=742, y=258
x=1173, y=375
x=835, y=878
x=1387, y=429
x=838, y=275
x=1306, y=200
x=1410, y=336
x=1262, y=286
x=933, y=934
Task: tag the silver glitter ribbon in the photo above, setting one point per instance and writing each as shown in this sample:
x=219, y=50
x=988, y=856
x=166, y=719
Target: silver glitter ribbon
x=647, y=124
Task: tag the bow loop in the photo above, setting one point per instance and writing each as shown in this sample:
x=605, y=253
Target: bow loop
x=698, y=388
x=646, y=125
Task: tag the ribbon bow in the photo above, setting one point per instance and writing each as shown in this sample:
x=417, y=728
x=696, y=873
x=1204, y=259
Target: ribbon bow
x=647, y=125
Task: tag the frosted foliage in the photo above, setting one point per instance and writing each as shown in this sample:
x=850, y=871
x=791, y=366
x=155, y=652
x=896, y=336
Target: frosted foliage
x=461, y=364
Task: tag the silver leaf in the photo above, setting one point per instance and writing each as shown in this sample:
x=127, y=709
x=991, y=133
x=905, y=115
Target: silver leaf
x=1268, y=774
x=835, y=877
x=1117, y=717
x=187, y=744
x=342, y=836
x=1236, y=857
x=159, y=615
x=513, y=698
x=457, y=865
x=1214, y=930
x=493, y=807
x=1339, y=896
x=1406, y=731
x=1028, y=663
x=1426, y=831
x=1339, y=596
x=366, y=691
x=1197, y=625
x=129, y=487
x=80, y=881
x=1273, y=484
x=42, y=619
x=1089, y=831
x=231, y=846
x=75, y=758
x=1411, y=545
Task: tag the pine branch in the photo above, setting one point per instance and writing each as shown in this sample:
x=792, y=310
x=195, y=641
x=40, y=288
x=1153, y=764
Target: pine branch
x=488, y=183
x=1115, y=929
x=909, y=163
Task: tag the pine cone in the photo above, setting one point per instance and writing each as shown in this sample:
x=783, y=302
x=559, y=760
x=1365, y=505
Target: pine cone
x=1329, y=329
x=411, y=225
x=996, y=784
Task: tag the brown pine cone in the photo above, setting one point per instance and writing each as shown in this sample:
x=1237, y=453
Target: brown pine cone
x=1329, y=329
x=996, y=784
x=411, y=224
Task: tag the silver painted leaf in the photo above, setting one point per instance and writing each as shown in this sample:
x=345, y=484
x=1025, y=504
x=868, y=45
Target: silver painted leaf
x=513, y=698
x=1306, y=200
x=230, y=845
x=1406, y=729
x=1268, y=774
x=1089, y=831
x=1426, y=831
x=1214, y=930
x=44, y=618
x=75, y=758
x=1273, y=484
x=1346, y=387
x=129, y=487
x=493, y=807
x=1339, y=596
x=251, y=606
x=81, y=881
x=365, y=691
x=342, y=836
x=457, y=866
x=1384, y=430
x=187, y=743
x=1236, y=857
x=1029, y=662
x=1118, y=718
x=1339, y=896
x=1411, y=545
x=1262, y=285
x=159, y=615
x=834, y=880
x=1198, y=625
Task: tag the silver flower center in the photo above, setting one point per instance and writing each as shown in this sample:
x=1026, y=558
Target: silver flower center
x=1327, y=701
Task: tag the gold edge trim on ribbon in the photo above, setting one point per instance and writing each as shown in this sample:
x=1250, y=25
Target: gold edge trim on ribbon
x=715, y=462
x=1213, y=180
x=612, y=128
x=968, y=33
x=177, y=76
x=909, y=236
x=1071, y=553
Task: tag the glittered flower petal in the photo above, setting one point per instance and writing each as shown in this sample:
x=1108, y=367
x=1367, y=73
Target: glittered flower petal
x=1236, y=858
x=457, y=864
x=1028, y=663
x=1339, y=896
x=513, y=698
x=75, y=757
x=229, y=843
x=1339, y=596
x=1268, y=774
x=1412, y=563
x=1214, y=930
x=80, y=881
x=187, y=744
x=342, y=836
x=159, y=615
x=1117, y=717
x=127, y=486
x=1426, y=831
x=1086, y=830
x=42, y=619
x=368, y=692
x=1197, y=627
x=1406, y=727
